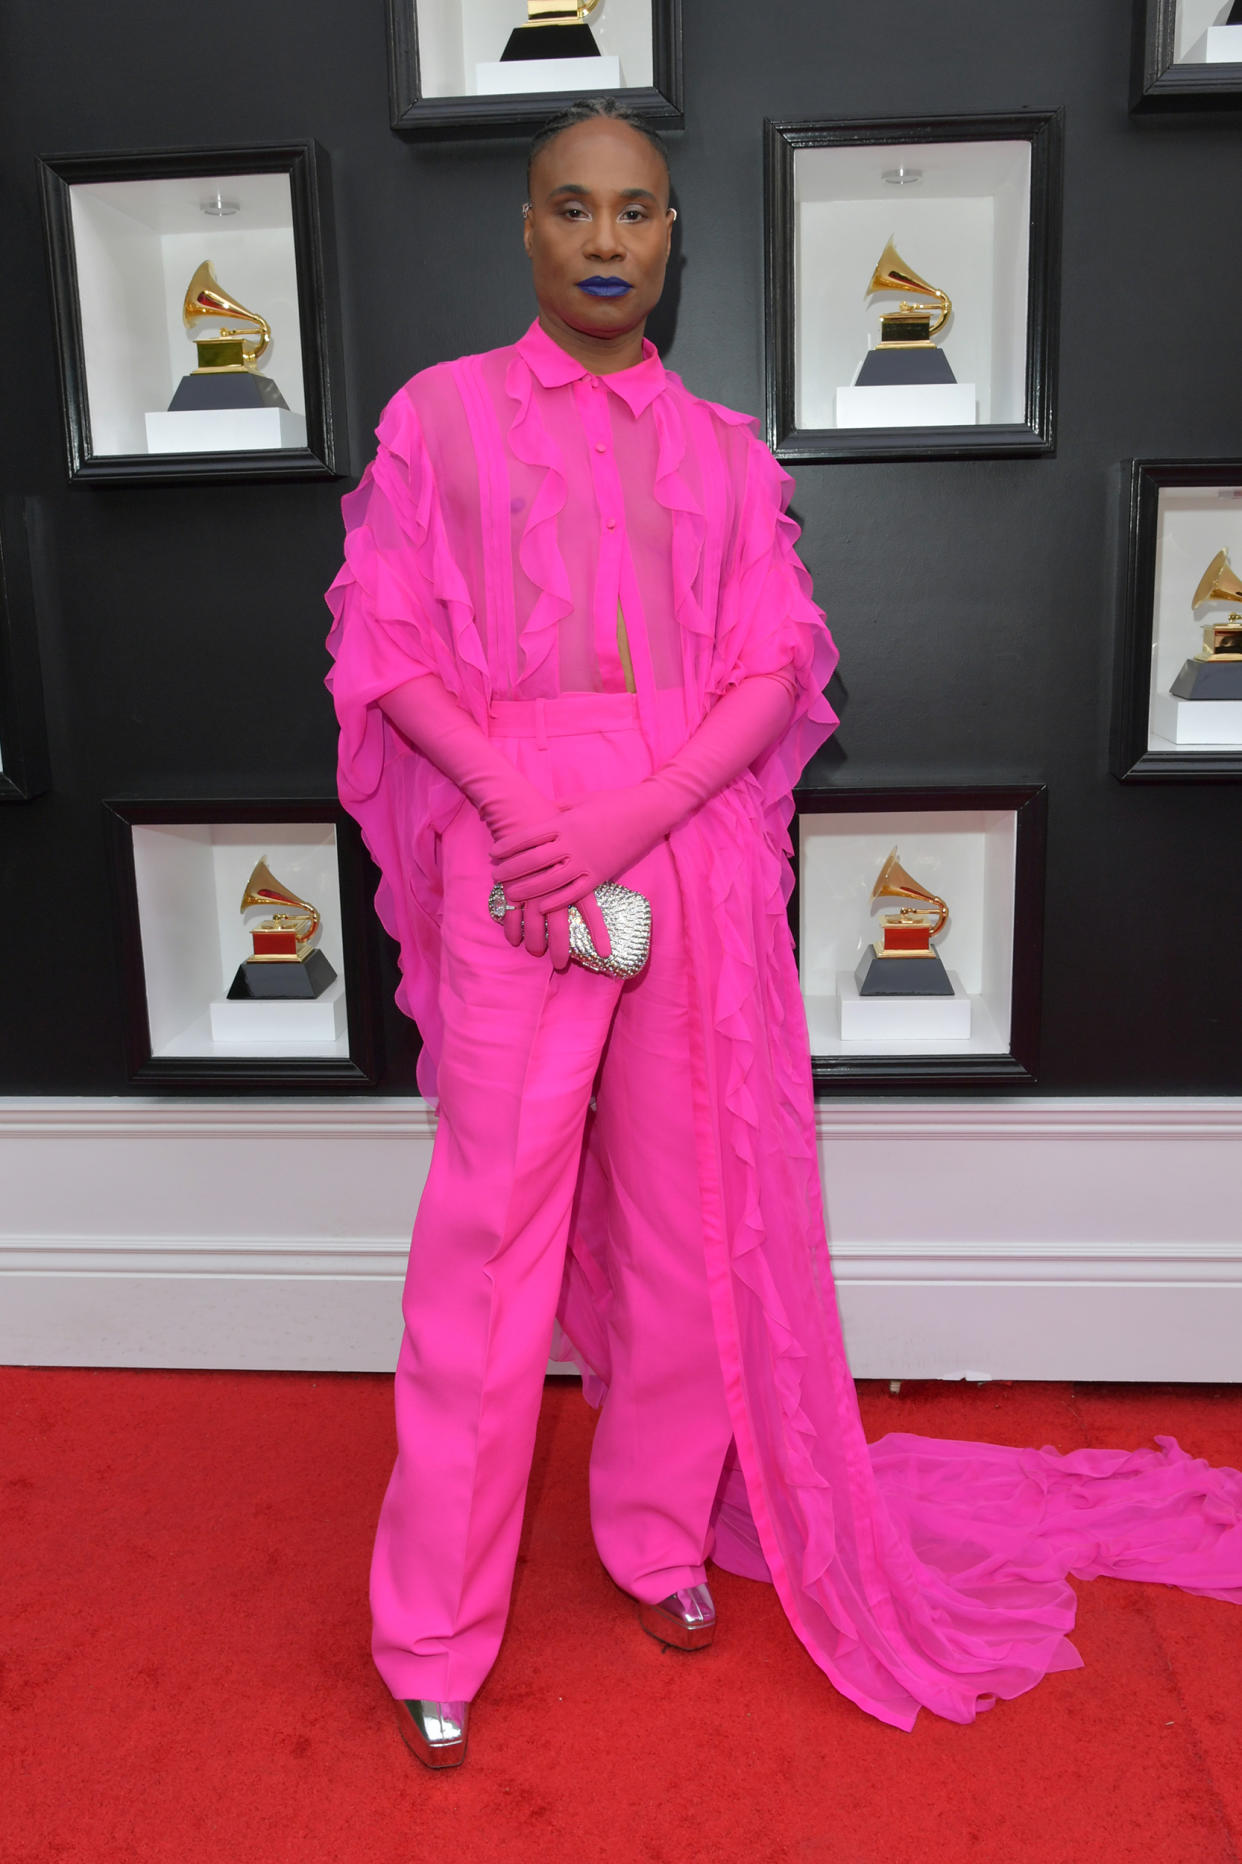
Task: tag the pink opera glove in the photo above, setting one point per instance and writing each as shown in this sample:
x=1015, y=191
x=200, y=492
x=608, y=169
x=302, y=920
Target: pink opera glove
x=428, y=715
x=560, y=862
x=426, y=712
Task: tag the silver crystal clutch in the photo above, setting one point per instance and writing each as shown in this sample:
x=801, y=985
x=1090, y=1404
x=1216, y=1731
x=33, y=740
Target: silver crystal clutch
x=626, y=914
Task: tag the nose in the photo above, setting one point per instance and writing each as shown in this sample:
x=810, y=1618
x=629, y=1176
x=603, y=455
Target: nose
x=604, y=242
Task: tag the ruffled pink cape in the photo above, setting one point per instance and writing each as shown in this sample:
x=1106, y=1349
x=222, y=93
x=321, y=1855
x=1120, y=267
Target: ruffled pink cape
x=917, y=1572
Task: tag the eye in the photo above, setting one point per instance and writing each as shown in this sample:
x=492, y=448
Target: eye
x=638, y=213
x=572, y=211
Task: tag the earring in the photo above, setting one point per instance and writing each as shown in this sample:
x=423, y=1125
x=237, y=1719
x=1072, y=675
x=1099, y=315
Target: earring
x=526, y=210
x=673, y=211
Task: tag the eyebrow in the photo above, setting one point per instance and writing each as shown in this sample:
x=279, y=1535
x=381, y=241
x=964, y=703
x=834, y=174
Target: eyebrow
x=576, y=187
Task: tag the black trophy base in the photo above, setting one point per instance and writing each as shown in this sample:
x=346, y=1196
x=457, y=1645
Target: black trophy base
x=550, y=42
x=296, y=982
x=902, y=368
x=236, y=388
x=1209, y=679
x=902, y=977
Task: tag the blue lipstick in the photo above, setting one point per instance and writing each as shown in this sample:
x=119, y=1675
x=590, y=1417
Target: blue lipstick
x=604, y=287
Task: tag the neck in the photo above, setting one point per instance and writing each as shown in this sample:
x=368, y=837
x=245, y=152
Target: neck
x=602, y=355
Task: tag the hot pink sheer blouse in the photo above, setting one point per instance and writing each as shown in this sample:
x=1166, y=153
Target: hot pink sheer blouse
x=515, y=504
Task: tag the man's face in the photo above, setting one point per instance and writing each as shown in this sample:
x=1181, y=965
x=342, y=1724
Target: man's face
x=599, y=229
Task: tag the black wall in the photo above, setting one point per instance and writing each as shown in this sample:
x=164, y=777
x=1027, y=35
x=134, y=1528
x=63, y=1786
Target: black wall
x=181, y=629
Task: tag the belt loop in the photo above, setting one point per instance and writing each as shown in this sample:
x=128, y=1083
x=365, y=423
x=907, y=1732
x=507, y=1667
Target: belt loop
x=541, y=727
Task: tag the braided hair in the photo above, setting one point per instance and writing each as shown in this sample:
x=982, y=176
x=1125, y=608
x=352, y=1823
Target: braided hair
x=582, y=112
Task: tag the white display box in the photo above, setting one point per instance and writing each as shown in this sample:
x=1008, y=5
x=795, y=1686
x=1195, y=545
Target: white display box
x=189, y=879
x=1192, y=524
x=965, y=226
x=136, y=246
x=279, y=1028
x=914, y=404
x=1219, y=45
x=587, y=77
x=968, y=857
x=1208, y=724
x=1196, y=22
x=224, y=430
x=903, y=1019
x=459, y=40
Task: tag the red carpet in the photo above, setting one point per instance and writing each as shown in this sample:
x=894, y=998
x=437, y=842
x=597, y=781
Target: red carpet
x=186, y=1675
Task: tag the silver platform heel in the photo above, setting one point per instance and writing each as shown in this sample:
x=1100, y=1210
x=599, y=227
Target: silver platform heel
x=435, y=1731
x=685, y=1620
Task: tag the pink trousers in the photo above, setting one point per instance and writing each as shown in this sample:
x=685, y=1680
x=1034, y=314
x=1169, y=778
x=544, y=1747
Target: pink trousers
x=530, y=1056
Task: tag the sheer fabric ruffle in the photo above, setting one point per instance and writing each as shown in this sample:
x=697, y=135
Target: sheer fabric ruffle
x=401, y=607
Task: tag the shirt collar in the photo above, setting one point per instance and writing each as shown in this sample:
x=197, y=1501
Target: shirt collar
x=552, y=366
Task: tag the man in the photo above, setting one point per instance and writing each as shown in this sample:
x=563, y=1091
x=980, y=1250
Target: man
x=573, y=644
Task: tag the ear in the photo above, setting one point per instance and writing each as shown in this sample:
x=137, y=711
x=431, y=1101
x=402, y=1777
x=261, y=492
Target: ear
x=527, y=228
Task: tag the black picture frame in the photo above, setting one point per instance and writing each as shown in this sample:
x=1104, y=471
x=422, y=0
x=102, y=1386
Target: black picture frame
x=1019, y=1066
x=1032, y=436
x=24, y=772
x=306, y=165
x=212, y=1074
x=1133, y=760
x=460, y=117
x=1160, y=83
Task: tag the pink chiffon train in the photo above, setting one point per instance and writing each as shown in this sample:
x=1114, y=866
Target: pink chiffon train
x=917, y=1572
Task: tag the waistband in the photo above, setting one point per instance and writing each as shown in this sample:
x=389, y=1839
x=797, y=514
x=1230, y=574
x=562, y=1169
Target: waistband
x=570, y=712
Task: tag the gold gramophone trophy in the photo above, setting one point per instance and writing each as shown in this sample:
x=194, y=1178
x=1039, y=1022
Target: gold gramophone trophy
x=906, y=352
x=1215, y=672
x=227, y=375
x=902, y=963
x=286, y=963
x=553, y=29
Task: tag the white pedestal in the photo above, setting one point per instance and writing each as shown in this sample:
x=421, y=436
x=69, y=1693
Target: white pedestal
x=912, y=1019
x=586, y=76
x=245, y=1024
x=916, y=404
x=1199, y=721
x=225, y=430
x=1219, y=45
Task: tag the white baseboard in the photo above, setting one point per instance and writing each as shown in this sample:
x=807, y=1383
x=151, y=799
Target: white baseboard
x=1002, y=1239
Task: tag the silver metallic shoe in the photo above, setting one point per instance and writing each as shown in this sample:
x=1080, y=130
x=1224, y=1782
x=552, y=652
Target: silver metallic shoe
x=685, y=1620
x=435, y=1731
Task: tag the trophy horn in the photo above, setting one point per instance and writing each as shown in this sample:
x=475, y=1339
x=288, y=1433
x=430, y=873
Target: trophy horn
x=204, y=298
x=893, y=883
x=263, y=889
x=1218, y=582
x=893, y=274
